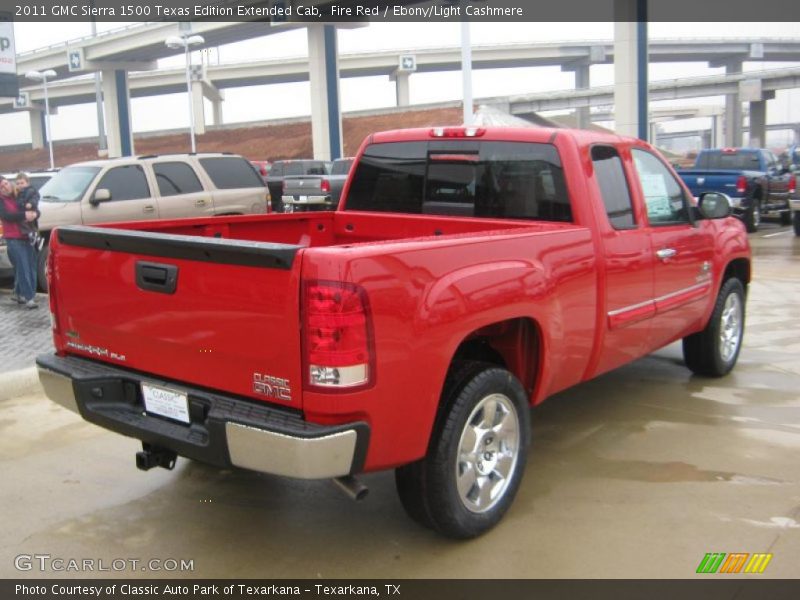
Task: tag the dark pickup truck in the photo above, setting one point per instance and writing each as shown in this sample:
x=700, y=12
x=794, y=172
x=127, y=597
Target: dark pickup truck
x=754, y=179
x=290, y=168
x=316, y=192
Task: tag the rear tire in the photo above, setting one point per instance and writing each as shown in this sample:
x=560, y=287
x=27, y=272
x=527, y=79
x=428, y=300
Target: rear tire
x=714, y=351
x=752, y=218
x=41, y=268
x=476, y=457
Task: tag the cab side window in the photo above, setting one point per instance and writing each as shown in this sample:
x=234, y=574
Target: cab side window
x=125, y=183
x=175, y=178
x=613, y=187
x=664, y=197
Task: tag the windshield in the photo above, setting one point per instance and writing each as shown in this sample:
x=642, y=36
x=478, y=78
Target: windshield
x=68, y=185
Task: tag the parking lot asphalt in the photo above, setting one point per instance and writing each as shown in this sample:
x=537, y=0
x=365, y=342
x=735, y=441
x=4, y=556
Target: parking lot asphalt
x=24, y=333
x=638, y=473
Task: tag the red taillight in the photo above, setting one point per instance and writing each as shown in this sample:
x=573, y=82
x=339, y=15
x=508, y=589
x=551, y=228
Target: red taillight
x=51, y=284
x=792, y=184
x=325, y=186
x=741, y=184
x=337, y=336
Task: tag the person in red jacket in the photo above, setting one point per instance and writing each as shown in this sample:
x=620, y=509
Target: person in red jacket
x=21, y=251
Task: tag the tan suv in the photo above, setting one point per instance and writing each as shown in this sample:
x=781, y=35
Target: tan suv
x=149, y=187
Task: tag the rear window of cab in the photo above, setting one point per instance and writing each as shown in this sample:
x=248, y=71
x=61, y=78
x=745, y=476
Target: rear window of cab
x=515, y=180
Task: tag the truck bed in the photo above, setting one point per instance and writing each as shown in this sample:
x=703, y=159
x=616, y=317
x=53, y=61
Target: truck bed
x=168, y=303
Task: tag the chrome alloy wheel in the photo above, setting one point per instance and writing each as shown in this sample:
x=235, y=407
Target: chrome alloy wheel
x=487, y=453
x=730, y=328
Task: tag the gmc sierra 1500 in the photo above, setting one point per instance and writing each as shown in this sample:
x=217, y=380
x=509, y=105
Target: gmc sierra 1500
x=467, y=275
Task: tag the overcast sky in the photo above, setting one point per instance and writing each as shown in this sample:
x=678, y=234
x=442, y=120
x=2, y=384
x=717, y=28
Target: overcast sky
x=291, y=100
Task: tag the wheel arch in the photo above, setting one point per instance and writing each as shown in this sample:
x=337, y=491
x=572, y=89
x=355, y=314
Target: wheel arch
x=514, y=344
x=738, y=268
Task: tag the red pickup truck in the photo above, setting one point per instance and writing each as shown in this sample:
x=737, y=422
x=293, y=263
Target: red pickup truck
x=467, y=275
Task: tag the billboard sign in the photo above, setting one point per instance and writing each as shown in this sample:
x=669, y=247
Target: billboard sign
x=9, y=84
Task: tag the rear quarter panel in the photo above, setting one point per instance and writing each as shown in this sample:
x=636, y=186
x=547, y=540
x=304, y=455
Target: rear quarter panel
x=427, y=296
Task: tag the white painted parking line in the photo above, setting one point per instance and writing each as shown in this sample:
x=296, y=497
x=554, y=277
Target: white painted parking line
x=769, y=235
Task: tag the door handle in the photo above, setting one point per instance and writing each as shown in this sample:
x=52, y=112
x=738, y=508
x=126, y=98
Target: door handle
x=200, y=202
x=149, y=208
x=666, y=253
x=156, y=277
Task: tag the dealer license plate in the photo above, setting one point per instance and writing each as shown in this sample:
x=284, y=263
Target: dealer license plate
x=166, y=403
x=302, y=198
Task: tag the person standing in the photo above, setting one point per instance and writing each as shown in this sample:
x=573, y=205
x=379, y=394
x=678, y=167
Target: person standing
x=17, y=225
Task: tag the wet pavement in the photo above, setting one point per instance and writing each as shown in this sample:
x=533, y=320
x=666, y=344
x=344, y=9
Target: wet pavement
x=638, y=473
x=24, y=332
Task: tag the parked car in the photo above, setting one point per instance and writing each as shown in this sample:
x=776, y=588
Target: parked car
x=756, y=181
x=147, y=188
x=315, y=192
x=282, y=168
x=467, y=275
x=792, y=162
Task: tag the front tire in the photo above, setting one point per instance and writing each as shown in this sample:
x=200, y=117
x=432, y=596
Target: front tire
x=796, y=223
x=476, y=457
x=714, y=351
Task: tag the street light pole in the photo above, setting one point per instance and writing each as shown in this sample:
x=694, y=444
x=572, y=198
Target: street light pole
x=102, y=145
x=189, y=94
x=47, y=120
x=185, y=41
x=466, y=72
x=42, y=76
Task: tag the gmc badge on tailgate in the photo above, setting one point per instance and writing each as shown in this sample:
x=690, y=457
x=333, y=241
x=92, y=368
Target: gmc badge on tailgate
x=272, y=387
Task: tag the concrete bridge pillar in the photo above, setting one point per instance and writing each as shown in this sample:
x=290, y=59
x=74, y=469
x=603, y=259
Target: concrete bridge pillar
x=582, y=70
x=717, y=133
x=582, y=82
x=216, y=107
x=402, y=88
x=733, y=109
x=326, y=116
x=37, y=129
x=117, y=105
x=707, y=139
x=630, y=68
x=758, y=120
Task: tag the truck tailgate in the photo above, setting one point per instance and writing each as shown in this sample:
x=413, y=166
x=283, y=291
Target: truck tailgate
x=297, y=186
x=700, y=181
x=221, y=314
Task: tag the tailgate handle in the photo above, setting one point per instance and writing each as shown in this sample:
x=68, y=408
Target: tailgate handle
x=156, y=277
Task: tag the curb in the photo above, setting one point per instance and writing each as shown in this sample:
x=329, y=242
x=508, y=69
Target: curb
x=19, y=383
